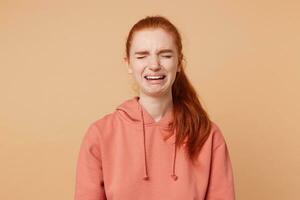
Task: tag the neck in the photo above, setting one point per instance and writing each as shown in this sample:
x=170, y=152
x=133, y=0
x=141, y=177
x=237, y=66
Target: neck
x=156, y=106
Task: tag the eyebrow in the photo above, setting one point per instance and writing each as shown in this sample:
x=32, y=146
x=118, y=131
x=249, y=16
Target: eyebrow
x=159, y=52
x=166, y=51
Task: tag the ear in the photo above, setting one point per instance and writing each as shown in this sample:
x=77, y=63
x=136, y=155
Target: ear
x=180, y=65
x=178, y=68
x=129, y=69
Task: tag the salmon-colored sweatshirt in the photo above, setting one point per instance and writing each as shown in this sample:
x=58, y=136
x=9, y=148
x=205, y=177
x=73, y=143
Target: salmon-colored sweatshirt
x=124, y=156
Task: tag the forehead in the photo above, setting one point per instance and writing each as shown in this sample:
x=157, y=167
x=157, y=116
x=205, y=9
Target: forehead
x=148, y=39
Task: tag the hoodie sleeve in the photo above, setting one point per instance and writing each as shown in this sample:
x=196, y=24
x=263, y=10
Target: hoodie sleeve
x=89, y=178
x=221, y=183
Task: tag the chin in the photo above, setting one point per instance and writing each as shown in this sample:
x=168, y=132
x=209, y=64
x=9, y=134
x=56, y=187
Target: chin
x=155, y=93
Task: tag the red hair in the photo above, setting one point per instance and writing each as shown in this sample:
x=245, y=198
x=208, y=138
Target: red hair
x=191, y=121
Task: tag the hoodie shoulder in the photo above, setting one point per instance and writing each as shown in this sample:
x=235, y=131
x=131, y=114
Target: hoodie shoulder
x=218, y=138
x=107, y=122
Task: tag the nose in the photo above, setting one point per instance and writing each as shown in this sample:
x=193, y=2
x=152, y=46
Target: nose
x=154, y=63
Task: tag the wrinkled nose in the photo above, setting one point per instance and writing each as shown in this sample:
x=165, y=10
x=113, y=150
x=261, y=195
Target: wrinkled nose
x=154, y=63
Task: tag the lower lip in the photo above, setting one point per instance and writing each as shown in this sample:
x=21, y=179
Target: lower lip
x=158, y=81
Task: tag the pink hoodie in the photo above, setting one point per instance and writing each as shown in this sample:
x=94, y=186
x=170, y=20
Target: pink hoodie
x=123, y=156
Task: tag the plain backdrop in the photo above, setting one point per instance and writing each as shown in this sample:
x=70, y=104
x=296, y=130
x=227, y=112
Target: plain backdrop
x=61, y=68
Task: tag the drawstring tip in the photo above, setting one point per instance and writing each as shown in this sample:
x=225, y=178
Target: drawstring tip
x=174, y=177
x=146, y=178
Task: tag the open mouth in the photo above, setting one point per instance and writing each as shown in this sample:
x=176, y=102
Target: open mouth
x=160, y=77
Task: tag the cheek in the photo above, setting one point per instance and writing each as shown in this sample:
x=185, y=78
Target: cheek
x=170, y=64
x=137, y=71
x=139, y=67
x=139, y=63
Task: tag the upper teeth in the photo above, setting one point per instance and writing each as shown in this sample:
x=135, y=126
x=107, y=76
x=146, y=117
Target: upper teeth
x=154, y=77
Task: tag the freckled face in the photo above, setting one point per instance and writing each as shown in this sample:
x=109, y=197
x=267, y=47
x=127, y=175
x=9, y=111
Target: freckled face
x=153, y=61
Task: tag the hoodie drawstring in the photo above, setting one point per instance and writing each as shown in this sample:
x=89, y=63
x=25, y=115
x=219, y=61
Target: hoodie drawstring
x=146, y=177
x=174, y=176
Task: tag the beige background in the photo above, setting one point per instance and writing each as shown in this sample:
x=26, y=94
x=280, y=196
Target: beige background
x=61, y=68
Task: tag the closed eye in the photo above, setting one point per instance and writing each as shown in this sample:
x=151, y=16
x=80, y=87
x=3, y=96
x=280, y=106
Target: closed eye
x=140, y=57
x=167, y=56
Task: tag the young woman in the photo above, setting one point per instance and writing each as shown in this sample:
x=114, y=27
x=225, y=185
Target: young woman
x=161, y=144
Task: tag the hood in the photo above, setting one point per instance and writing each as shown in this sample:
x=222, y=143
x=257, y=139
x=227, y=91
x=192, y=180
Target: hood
x=132, y=109
x=134, y=112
